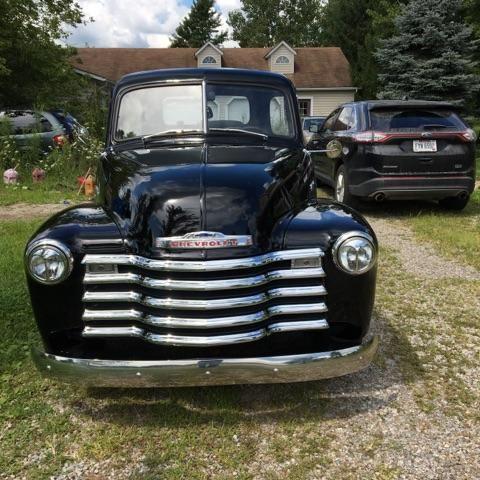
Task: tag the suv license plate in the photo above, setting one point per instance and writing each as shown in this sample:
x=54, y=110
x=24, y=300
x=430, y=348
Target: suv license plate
x=424, y=145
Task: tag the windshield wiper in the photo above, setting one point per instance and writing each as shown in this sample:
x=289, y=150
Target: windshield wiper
x=239, y=130
x=431, y=126
x=169, y=133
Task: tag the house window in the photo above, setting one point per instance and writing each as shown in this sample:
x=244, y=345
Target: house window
x=282, y=60
x=209, y=60
x=304, y=106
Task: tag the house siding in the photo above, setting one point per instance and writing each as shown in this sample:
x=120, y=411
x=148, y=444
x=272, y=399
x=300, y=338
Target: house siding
x=324, y=102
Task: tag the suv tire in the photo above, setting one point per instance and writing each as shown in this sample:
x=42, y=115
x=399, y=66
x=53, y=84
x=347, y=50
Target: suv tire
x=454, y=203
x=342, y=191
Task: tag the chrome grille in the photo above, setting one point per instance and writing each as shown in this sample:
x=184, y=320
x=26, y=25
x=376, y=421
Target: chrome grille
x=181, y=302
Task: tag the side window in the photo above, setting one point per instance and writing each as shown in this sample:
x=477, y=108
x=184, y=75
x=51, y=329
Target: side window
x=279, y=118
x=45, y=125
x=346, y=119
x=328, y=125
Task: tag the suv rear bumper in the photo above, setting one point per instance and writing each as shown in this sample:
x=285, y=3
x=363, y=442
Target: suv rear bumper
x=414, y=187
x=215, y=371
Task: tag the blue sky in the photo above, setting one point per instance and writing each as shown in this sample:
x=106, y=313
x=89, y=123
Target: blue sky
x=137, y=23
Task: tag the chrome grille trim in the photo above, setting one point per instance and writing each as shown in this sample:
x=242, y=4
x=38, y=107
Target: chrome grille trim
x=202, y=323
x=203, y=341
x=203, y=286
x=216, y=289
x=201, y=266
x=189, y=304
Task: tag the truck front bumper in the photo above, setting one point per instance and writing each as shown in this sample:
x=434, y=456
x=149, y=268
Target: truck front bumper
x=228, y=371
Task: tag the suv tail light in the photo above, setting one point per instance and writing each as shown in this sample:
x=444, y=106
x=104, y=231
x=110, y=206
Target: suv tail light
x=60, y=140
x=469, y=135
x=371, y=136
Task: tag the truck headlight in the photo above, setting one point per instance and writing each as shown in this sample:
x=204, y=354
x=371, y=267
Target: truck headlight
x=354, y=252
x=49, y=261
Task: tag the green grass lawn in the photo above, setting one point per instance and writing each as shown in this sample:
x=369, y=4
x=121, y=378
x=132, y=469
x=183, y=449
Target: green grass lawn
x=47, y=192
x=455, y=234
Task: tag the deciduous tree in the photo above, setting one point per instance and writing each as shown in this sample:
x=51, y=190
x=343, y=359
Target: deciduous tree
x=264, y=23
x=357, y=28
x=33, y=61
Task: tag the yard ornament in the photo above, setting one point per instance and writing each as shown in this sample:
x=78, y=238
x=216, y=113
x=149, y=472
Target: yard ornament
x=38, y=175
x=10, y=176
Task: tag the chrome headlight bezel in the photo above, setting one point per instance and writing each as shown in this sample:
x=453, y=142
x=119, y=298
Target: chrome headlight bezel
x=60, y=249
x=344, y=239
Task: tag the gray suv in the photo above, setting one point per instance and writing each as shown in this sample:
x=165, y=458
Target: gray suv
x=28, y=127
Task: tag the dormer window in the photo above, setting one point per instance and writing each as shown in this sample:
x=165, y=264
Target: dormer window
x=282, y=60
x=209, y=60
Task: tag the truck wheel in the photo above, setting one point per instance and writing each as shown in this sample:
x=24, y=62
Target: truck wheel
x=454, y=203
x=342, y=191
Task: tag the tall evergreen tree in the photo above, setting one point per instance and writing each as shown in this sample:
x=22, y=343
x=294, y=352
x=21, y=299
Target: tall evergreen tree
x=200, y=26
x=357, y=28
x=263, y=23
x=431, y=54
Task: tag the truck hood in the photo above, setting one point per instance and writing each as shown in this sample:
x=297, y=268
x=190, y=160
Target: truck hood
x=172, y=191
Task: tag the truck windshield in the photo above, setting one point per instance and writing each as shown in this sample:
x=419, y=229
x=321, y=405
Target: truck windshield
x=233, y=109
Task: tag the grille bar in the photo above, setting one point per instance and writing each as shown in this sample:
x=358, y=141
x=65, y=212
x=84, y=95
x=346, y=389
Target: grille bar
x=203, y=286
x=189, y=304
x=202, y=323
x=203, y=341
x=135, y=300
x=201, y=266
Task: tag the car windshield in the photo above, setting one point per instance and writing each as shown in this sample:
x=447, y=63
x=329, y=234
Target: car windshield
x=307, y=122
x=415, y=120
x=232, y=109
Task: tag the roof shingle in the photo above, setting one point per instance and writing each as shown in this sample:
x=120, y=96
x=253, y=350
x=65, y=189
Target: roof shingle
x=318, y=67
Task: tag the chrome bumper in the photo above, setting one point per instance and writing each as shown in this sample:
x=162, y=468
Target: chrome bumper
x=228, y=371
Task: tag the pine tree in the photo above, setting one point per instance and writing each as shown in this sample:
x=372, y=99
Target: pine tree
x=430, y=56
x=200, y=26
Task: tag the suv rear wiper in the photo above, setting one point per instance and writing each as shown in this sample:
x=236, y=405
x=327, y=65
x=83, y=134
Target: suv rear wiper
x=239, y=130
x=434, y=125
x=169, y=133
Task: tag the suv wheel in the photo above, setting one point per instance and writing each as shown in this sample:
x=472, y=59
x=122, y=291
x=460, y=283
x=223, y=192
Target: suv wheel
x=454, y=203
x=341, y=191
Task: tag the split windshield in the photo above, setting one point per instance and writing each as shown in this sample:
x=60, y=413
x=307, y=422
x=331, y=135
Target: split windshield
x=415, y=120
x=165, y=110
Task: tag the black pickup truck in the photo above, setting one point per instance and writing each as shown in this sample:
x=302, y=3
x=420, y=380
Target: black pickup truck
x=207, y=258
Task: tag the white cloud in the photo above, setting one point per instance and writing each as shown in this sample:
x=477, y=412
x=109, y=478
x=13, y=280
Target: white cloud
x=143, y=23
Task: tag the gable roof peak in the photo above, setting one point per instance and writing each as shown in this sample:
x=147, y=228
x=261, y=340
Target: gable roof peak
x=283, y=43
x=211, y=45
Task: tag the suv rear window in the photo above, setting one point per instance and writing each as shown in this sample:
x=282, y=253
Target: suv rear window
x=415, y=120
